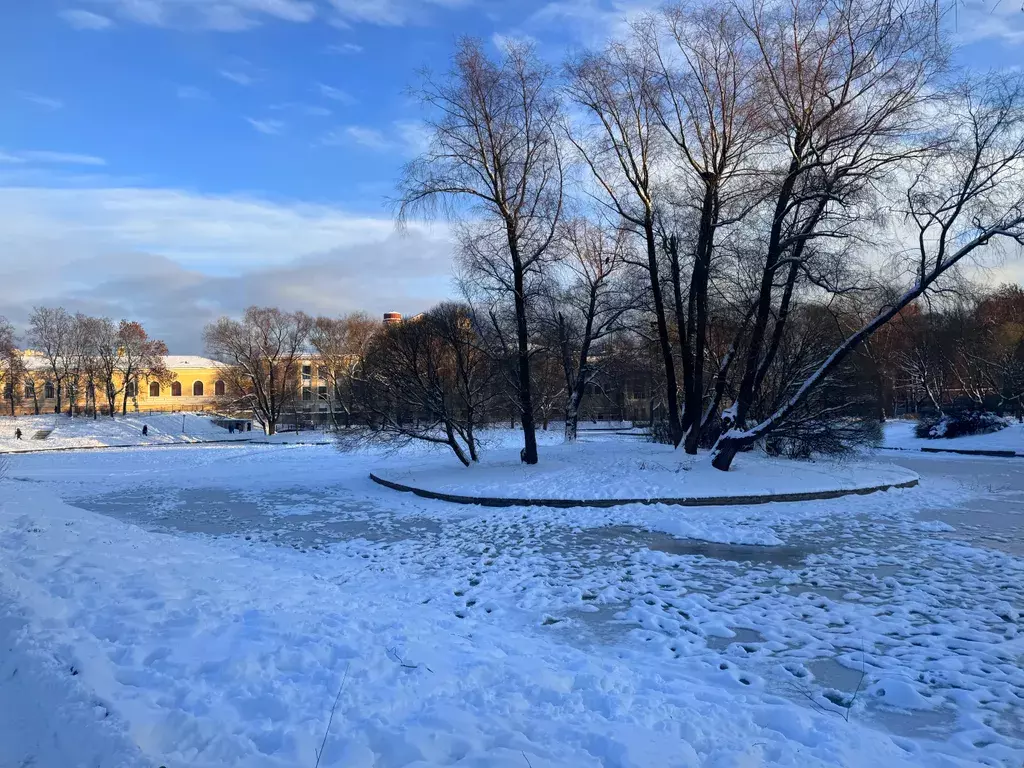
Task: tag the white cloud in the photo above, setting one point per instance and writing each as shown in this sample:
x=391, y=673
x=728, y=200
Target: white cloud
x=239, y=78
x=81, y=19
x=592, y=22
x=219, y=15
x=390, y=12
x=345, y=48
x=978, y=20
x=405, y=137
x=47, y=157
x=46, y=102
x=269, y=127
x=191, y=93
x=175, y=260
x=360, y=135
x=335, y=94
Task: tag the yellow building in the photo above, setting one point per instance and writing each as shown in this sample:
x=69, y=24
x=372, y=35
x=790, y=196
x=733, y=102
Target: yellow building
x=196, y=384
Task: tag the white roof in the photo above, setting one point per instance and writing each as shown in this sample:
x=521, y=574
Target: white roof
x=37, y=362
x=175, y=362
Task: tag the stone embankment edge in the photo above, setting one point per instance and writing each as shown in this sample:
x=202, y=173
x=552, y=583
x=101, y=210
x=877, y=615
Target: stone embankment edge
x=708, y=501
x=963, y=452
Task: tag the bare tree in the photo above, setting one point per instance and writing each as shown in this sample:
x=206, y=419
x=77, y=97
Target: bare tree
x=106, y=347
x=50, y=330
x=848, y=84
x=965, y=194
x=12, y=366
x=428, y=379
x=262, y=352
x=493, y=158
x=711, y=107
x=587, y=307
x=618, y=90
x=341, y=345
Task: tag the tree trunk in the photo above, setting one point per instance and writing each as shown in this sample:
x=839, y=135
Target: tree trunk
x=572, y=417
x=663, y=340
x=523, y=339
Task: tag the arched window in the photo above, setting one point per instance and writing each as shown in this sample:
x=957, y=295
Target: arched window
x=175, y=389
x=131, y=389
x=30, y=388
x=197, y=389
x=154, y=389
x=48, y=391
x=218, y=389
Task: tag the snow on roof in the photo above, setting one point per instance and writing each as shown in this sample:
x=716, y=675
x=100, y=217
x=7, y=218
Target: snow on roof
x=37, y=362
x=175, y=362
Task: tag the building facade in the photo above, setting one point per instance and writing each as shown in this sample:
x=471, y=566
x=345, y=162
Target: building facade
x=195, y=384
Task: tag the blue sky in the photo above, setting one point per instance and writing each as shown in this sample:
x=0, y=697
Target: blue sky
x=177, y=159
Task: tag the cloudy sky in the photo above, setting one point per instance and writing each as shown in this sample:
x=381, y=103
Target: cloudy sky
x=175, y=160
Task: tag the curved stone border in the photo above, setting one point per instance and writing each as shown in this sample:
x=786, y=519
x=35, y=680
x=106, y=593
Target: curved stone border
x=709, y=501
x=961, y=451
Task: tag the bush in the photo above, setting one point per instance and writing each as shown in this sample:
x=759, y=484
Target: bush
x=958, y=425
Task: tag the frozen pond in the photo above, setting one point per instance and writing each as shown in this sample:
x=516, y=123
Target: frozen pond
x=900, y=610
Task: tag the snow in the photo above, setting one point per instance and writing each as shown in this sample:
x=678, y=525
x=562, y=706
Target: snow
x=214, y=599
x=899, y=433
x=587, y=470
x=86, y=432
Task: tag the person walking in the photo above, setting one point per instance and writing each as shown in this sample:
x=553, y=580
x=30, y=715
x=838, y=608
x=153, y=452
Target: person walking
x=17, y=433
x=145, y=429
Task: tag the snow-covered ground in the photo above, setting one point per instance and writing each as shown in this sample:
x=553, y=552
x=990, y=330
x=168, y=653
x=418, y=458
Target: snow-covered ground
x=635, y=469
x=207, y=605
x=87, y=432
x=899, y=433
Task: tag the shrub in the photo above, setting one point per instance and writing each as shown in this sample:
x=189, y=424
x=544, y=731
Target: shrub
x=958, y=425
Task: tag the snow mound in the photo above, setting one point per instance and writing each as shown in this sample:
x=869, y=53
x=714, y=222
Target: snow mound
x=900, y=434
x=637, y=471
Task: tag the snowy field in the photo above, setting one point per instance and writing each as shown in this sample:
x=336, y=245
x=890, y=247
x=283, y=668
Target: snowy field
x=86, y=432
x=635, y=469
x=900, y=434
x=207, y=605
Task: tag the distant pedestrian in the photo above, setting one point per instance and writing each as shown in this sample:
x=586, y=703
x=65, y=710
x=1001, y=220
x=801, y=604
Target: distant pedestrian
x=17, y=433
x=145, y=429
x=231, y=427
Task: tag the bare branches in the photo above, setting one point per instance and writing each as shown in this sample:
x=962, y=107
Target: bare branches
x=262, y=354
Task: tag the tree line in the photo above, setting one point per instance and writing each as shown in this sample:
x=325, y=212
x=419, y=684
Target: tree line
x=85, y=361
x=764, y=170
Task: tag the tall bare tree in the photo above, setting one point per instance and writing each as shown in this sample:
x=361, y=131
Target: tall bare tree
x=848, y=84
x=50, y=330
x=587, y=307
x=964, y=196
x=341, y=344
x=493, y=162
x=623, y=145
x=711, y=107
x=263, y=352
x=12, y=366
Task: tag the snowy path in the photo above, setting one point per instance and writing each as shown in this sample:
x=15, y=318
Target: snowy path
x=573, y=637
